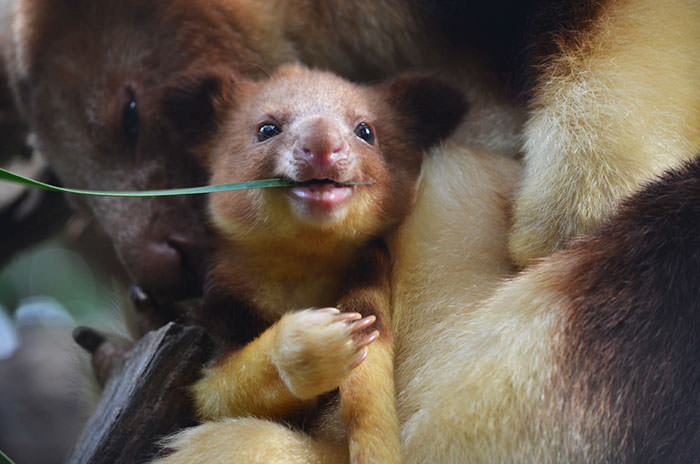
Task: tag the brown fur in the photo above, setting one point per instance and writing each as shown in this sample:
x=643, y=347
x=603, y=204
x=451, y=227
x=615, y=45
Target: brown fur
x=74, y=66
x=612, y=94
x=12, y=128
x=586, y=357
x=630, y=351
x=84, y=60
x=276, y=255
x=238, y=440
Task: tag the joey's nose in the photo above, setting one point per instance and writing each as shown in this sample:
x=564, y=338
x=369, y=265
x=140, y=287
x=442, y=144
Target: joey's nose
x=322, y=145
x=173, y=267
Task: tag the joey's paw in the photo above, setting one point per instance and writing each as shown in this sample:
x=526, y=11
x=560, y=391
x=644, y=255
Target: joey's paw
x=315, y=349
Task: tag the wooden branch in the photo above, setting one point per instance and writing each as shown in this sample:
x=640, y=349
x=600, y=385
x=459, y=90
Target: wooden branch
x=148, y=400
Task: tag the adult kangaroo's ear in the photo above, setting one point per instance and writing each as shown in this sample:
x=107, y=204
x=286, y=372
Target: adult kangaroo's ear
x=431, y=107
x=193, y=103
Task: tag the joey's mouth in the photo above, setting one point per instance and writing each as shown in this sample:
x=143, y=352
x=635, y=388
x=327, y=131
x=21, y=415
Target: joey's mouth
x=321, y=197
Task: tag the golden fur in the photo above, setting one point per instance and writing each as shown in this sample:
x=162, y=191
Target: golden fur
x=615, y=101
x=481, y=374
x=246, y=440
x=583, y=357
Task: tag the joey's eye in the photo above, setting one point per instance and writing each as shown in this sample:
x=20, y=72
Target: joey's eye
x=130, y=120
x=364, y=131
x=268, y=130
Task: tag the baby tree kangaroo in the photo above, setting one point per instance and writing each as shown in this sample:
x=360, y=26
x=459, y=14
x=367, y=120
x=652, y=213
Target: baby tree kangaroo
x=308, y=266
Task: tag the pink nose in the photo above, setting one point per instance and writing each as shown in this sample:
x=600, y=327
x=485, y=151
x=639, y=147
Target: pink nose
x=321, y=147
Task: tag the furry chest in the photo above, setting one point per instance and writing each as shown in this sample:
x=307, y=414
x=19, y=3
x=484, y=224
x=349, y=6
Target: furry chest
x=302, y=289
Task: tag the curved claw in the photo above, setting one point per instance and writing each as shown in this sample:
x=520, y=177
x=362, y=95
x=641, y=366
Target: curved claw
x=330, y=310
x=361, y=356
x=363, y=324
x=348, y=316
x=151, y=314
x=140, y=298
x=364, y=341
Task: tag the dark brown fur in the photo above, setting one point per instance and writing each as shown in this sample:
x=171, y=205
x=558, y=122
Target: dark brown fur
x=365, y=276
x=630, y=352
x=513, y=38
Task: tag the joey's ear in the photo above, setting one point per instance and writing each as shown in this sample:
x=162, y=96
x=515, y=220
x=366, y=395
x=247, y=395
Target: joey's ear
x=431, y=107
x=194, y=103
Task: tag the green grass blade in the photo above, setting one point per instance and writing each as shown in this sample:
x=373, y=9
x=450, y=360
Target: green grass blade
x=266, y=183
x=4, y=459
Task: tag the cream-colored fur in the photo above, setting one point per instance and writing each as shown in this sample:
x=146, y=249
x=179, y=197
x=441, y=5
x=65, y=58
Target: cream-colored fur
x=612, y=110
x=475, y=367
x=473, y=370
x=481, y=395
x=462, y=370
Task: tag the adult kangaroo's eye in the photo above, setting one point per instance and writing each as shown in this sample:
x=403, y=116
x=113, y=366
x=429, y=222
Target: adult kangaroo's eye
x=364, y=131
x=130, y=119
x=268, y=130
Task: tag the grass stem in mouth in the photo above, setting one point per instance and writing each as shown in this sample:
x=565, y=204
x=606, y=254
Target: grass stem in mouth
x=265, y=183
x=323, y=181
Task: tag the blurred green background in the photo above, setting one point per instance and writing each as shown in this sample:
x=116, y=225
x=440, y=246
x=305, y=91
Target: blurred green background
x=51, y=284
x=46, y=384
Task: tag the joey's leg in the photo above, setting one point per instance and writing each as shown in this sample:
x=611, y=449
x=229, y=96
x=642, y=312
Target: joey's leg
x=368, y=408
x=367, y=396
x=245, y=382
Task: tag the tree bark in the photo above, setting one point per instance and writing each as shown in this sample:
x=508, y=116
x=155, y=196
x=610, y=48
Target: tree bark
x=146, y=401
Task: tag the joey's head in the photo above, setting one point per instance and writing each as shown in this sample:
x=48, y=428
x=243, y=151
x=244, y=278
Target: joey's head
x=325, y=135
